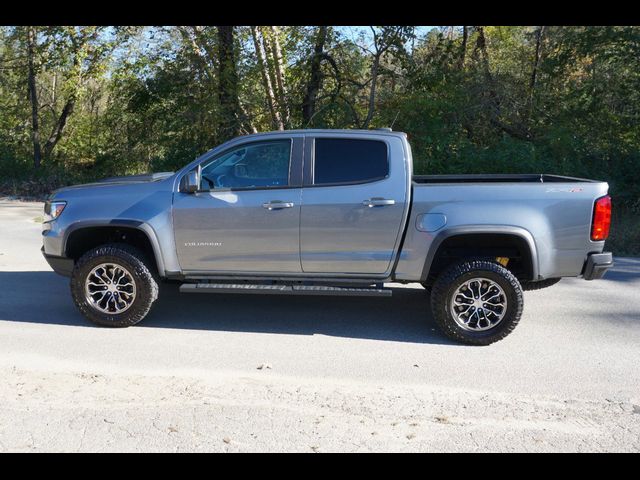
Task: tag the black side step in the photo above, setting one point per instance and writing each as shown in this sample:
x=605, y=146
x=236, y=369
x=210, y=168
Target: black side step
x=283, y=289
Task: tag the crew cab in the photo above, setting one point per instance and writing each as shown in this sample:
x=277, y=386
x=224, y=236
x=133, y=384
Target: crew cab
x=327, y=212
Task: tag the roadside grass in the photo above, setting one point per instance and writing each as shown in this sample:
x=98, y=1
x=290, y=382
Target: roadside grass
x=624, y=239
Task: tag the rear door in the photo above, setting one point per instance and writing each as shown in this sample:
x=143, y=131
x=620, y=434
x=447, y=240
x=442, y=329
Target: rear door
x=354, y=203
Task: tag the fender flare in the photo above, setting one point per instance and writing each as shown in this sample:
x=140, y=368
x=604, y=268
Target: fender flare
x=137, y=224
x=520, y=232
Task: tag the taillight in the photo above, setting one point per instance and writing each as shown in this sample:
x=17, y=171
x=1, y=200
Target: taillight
x=601, y=219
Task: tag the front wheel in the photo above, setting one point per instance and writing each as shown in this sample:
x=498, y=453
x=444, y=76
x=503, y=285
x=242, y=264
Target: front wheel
x=477, y=302
x=112, y=285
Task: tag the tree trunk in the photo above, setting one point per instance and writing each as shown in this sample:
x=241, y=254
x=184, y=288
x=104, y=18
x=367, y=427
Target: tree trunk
x=375, y=66
x=67, y=110
x=315, y=78
x=481, y=45
x=450, y=33
x=228, y=84
x=33, y=97
x=195, y=49
x=54, y=89
x=56, y=134
x=202, y=42
x=246, y=124
x=269, y=62
x=279, y=74
x=463, y=52
x=536, y=59
x=276, y=119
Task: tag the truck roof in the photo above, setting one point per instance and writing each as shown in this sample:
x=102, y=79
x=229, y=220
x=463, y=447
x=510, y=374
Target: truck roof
x=376, y=131
x=242, y=138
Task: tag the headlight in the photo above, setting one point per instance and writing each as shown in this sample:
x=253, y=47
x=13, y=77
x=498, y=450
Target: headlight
x=52, y=210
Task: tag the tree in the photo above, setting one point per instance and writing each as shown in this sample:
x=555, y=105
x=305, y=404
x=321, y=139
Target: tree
x=270, y=59
x=384, y=39
x=77, y=54
x=230, y=123
x=463, y=46
x=315, y=77
x=536, y=62
x=33, y=95
x=267, y=78
x=272, y=44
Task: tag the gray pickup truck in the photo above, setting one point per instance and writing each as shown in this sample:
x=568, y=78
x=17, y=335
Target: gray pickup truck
x=327, y=212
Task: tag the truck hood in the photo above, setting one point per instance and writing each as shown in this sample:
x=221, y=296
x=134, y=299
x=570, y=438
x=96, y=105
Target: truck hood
x=113, y=181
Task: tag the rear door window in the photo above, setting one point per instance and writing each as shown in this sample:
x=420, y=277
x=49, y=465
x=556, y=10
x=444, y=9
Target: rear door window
x=344, y=161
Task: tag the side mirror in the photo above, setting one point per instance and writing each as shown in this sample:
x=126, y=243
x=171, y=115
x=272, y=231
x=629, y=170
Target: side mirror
x=190, y=182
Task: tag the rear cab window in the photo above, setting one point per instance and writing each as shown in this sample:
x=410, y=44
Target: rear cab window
x=339, y=161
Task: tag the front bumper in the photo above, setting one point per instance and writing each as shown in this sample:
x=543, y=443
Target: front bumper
x=61, y=265
x=597, y=265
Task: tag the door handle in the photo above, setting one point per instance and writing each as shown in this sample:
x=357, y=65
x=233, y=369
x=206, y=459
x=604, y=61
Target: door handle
x=277, y=205
x=378, y=202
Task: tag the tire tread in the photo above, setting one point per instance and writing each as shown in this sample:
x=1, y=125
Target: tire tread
x=148, y=289
x=440, y=309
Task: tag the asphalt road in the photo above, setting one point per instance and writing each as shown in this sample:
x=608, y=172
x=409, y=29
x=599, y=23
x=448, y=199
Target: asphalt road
x=339, y=374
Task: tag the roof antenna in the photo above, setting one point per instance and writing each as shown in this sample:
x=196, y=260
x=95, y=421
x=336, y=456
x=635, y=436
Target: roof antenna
x=394, y=120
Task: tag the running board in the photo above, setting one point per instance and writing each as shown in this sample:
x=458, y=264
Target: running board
x=283, y=289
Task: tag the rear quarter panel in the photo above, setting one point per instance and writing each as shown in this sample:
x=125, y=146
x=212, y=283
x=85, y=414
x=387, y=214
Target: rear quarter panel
x=556, y=216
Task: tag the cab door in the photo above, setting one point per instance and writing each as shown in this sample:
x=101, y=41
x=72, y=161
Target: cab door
x=246, y=215
x=354, y=203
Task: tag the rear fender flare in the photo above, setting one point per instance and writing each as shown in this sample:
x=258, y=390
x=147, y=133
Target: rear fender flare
x=479, y=229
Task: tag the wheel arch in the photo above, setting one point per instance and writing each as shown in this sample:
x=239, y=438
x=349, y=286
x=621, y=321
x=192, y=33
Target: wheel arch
x=520, y=237
x=99, y=227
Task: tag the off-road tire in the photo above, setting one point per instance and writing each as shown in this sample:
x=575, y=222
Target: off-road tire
x=455, y=275
x=528, y=285
x=136, y=263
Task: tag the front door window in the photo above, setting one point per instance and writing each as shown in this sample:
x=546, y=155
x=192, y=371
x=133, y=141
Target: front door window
x=258, y=165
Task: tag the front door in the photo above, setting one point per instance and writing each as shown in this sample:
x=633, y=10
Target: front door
x=246, y=215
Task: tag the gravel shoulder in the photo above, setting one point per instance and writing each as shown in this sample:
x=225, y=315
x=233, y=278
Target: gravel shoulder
x=95, y=412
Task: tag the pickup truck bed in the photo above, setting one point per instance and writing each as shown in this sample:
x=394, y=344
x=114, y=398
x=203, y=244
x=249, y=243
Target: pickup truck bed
x=499, y=178
x=550, y=215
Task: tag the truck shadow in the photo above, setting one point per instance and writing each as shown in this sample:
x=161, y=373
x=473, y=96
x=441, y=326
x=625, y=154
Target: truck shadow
x=405, y=317
x=625, y=269
x=43, y=297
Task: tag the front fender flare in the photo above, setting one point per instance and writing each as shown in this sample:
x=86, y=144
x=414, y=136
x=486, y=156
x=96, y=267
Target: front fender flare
x=129, y=223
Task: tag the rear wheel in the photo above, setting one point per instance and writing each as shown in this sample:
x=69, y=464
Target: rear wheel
x=112, y=285
x=477, y=302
